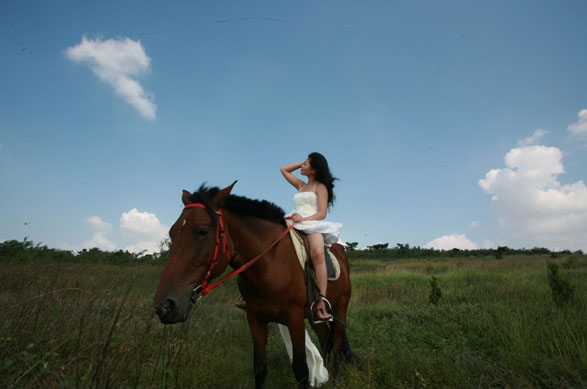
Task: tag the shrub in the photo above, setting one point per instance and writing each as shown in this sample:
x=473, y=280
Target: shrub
x=435, y=292
x=562, y=290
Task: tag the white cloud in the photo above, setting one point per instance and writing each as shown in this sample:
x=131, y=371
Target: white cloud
x=474, y=224
x=116, y=61
x=452, y=241
x=531, y=202
x=99, y=240
x=533, y=138
x=578, y=129
x=143, y=246
x=98, y=224
x=144, y=227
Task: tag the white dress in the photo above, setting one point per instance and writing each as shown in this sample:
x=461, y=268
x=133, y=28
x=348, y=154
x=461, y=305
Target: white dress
x=318, y=374
x=306, y=204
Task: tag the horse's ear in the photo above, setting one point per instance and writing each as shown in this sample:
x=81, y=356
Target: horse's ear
x=185, y=197
x=220, y=197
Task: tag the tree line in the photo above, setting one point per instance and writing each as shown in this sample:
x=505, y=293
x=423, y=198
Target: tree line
x=27, y=250
x=404, y=250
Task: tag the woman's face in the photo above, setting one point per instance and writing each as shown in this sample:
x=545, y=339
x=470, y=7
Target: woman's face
x=307, y=169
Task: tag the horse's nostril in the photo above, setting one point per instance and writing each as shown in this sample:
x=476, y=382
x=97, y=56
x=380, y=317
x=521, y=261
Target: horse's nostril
x=169, y=305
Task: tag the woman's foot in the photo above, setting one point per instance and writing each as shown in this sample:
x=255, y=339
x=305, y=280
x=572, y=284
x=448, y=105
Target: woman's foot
x=322, y=314
x=242, y=304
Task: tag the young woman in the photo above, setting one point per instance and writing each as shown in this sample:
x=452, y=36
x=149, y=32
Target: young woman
x=311, y=205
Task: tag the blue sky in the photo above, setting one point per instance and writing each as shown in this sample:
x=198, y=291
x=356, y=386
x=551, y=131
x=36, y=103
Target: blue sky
x=449, y=124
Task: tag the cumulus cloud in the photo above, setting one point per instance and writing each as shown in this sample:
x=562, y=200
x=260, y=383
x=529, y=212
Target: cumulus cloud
x=116, y=62
x=578, y=129
x=143, y=227
x=143, y=247
x=452, y=241
x=98, y=224
x=530, y=201
x=99, y=240
x=538, y=134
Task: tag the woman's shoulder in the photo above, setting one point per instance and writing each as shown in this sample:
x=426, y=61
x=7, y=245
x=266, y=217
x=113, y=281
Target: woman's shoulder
x=320, y=187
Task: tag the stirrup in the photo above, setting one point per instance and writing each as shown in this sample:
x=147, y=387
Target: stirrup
x=317, y=320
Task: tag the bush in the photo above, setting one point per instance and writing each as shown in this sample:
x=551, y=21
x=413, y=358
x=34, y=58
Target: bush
x=562, y=290
x=435, y=292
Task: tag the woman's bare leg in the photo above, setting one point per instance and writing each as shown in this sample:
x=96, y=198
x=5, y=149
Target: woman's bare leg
x=316, y=241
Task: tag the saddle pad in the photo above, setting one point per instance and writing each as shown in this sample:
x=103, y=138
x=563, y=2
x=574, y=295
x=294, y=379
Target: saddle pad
x=332, y=266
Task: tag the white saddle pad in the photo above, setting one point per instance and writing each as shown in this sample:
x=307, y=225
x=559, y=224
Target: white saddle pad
x=302, y=253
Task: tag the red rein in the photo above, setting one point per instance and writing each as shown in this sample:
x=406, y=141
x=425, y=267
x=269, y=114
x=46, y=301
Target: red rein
x=204, y=288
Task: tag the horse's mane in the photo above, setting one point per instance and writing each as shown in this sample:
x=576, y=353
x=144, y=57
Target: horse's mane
x=240, y=205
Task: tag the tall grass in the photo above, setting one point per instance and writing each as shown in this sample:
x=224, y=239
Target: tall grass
x=92, y=325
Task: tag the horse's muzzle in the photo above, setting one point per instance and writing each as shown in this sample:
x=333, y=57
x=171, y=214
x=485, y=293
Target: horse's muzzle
x=170, y=311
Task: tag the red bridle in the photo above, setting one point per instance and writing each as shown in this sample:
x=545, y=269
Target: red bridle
x=220, y=234
x=204, y=288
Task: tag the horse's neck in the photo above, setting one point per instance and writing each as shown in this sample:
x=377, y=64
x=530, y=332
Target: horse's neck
x=251, y=237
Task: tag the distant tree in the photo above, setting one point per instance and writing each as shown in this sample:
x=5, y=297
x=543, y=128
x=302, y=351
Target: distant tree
x=403, y=250
x=351, y=246
x=501, y=251
x=378, y=246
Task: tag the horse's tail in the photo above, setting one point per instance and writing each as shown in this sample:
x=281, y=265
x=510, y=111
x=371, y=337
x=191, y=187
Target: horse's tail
x=347, y=353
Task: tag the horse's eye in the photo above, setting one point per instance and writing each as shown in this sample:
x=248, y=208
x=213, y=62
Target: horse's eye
x=202, y=232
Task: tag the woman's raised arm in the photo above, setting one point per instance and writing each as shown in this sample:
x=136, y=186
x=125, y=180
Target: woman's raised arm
x=286, y=171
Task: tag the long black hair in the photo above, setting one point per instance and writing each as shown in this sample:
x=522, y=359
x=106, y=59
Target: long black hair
x=323, y=174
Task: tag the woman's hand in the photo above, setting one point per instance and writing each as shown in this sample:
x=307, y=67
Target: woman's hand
x=287, y=173
x=296, y=217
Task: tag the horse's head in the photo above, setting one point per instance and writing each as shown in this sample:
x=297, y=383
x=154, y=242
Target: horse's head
x=193, y=243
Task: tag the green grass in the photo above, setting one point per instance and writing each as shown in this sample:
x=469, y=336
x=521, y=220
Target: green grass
x=496, y=325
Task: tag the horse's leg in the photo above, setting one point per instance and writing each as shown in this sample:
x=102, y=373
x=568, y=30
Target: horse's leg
x=337, y=348
x=297, y=332
x=259, y=332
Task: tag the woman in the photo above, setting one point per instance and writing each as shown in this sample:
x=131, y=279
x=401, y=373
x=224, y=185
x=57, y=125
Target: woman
x=311, y=205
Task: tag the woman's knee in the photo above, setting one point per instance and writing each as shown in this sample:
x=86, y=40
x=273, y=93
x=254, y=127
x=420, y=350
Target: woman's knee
x=317, y=255
x=316, y=247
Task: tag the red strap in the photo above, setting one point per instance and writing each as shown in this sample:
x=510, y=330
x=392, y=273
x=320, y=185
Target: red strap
x=205, y=290
x=219, y=233
x=198, y=205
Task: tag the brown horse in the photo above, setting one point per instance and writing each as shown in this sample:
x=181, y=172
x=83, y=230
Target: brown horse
x=274, y=287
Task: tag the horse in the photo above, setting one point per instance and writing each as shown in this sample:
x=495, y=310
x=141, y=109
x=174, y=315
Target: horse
x=217, y=229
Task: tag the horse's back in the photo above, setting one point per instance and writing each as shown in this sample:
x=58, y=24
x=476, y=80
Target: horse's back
x=340, y=254
x=344, y=280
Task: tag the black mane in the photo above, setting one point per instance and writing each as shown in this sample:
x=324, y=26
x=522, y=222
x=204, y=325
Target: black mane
x=240, y=205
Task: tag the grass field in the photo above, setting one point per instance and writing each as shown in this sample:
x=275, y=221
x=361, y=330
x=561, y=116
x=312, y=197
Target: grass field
x=495, y=325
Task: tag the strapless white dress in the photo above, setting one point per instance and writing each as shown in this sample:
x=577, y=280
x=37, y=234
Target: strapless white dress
x=306, y=204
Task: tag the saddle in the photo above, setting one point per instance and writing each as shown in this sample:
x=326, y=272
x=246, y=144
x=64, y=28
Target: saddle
x=301, y=246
